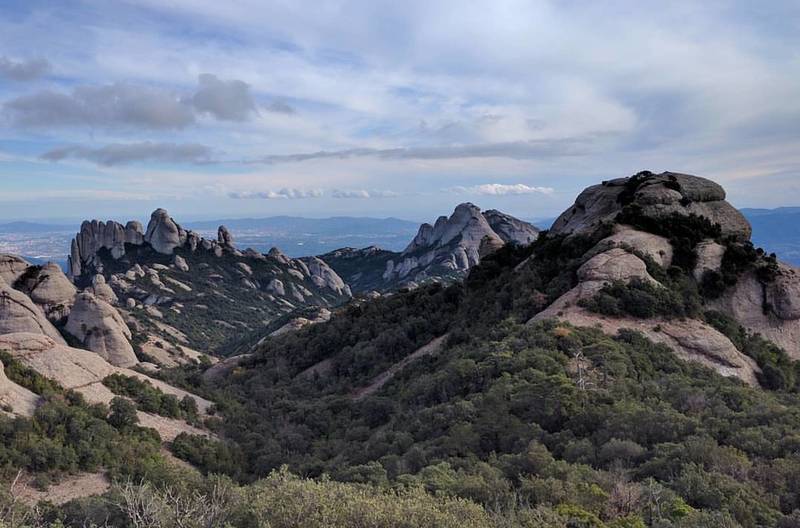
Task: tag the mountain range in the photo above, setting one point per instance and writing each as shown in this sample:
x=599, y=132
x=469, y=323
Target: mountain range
x=637, y=364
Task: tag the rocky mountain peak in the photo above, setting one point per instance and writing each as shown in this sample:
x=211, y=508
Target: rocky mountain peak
x=655, y=196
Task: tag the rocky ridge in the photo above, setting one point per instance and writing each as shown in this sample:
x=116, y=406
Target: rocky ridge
x=769, y=307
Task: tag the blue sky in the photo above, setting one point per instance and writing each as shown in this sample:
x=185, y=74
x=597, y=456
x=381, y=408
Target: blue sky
x=371, y=108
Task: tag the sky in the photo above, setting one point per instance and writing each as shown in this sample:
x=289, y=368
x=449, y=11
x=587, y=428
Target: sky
x=381, y=108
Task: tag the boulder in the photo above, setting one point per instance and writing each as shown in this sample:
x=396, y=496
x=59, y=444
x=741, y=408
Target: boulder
x=99, y=327
x=48, y=287
x=102, y=290
x=180, y=263
x=163, y=234
x=324, y=277
x=614, y=265
x=224, y=237
x=656, y=247
x=18, y=313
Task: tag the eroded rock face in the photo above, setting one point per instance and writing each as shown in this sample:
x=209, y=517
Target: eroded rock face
x=455, y=244
x=709, y=258
x=99, y=326
x=95, y=235
x=614, y=265
x=224, y=237
x=50, y=289
x=658, y=195
x=18, y=313
x=12, y=267
x=20, y=400
x=163, y=234
x=510, y=229
x=324, y=277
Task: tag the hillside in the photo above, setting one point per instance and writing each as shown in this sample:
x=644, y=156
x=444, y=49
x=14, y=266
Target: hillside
x=634, y=366
x=184, y=293
x=650, y=403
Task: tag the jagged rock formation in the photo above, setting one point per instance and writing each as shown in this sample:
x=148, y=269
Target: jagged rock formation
x=96, y=235
x=511, y=229
x=169, y=272
x=453, y=245
x=766, y=306
x=50, y=289
x=99, y=327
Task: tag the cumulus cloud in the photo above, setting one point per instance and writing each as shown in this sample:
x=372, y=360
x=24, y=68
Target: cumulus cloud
x=119, y=154
x=225, y=100
x=24, y=70
x=113, y=105
x=362, y=194
x=500, y=189
x=533, y=149
x=283, y=194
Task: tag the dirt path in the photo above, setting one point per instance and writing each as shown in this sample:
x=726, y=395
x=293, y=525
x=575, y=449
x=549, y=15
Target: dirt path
x=73, y=487
x=381, y=379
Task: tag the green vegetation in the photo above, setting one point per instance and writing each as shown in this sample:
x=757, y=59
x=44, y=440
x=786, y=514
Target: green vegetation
x=152, y=399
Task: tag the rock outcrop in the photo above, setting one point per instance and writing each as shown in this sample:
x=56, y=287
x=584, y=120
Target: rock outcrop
x=622, y=256
x=224, y=237
x=163, y=233
x=50, y=289
x=96, y=235
x=15, y=399
x=99, y=327
x=12, y=267
x=18, y=313
x=453, y=245
x=658, y=195
x=510, y=229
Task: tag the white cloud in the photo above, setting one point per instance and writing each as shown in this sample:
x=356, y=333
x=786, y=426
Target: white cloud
x=362, y=194
x=501, y=189
x=282, y=194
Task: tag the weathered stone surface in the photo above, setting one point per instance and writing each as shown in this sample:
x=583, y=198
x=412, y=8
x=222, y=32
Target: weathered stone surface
x=324, y=277
x=614, y=265
x=20, y=400
x=18, y=313
x=102, y=290
x=48, y=286
x=658, y=195
x=163, y=234
x=276, y=286
x=224, y=237
x=180, y=263
x=709, y=258
x=99, y=326
x=510, y=229
x=12, y=267
x=453, y=245
x=656, y=247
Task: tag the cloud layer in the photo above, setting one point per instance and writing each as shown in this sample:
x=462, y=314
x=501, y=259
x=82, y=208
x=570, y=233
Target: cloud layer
x=120, y=154
x=24, y=70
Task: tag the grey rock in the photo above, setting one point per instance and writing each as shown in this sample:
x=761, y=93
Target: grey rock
x=18, y=313
x=100, y=328
x=163, y=234
x=180, y=263
x=12, y=267
x=224, y=237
